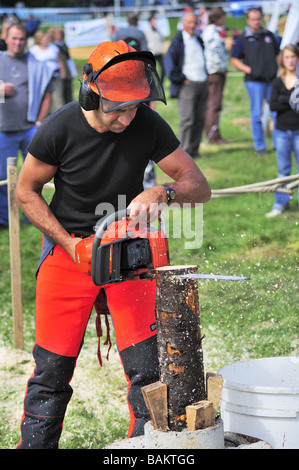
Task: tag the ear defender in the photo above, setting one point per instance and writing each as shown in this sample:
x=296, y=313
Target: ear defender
x=88, y=99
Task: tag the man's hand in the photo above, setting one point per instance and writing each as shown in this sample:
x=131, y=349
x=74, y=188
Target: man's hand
x=148, y=204
x=8, y=89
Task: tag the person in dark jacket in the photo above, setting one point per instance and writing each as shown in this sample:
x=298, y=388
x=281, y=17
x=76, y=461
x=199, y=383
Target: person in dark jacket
x=188, y=82
x=255, y=53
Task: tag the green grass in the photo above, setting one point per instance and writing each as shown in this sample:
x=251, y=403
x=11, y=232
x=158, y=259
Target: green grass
x=240, y=320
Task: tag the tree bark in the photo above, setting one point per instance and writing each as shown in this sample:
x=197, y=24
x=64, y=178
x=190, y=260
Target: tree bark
x=179, y=341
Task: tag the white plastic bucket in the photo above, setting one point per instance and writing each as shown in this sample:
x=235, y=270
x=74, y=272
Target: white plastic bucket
x=260, y=398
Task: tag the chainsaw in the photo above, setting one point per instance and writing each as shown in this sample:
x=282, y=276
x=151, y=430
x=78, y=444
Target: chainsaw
x=123, y=249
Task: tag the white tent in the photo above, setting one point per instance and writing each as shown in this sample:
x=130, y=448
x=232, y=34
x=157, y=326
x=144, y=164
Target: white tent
x=291, y=30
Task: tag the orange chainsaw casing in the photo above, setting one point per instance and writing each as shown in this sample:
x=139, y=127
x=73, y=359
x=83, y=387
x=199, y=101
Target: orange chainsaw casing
x=125, y=229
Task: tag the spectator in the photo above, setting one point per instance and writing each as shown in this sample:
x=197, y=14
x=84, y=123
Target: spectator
x=156, y=42
x=287, y=122
x=255, y=53
x=56, y=36
x=4, y=28
x=216, y=63
x=27, y=99
x=47, y=52
x=131, y=34
x=188, y=83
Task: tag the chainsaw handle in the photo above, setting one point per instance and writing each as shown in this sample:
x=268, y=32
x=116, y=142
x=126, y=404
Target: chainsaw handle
x=97, y=242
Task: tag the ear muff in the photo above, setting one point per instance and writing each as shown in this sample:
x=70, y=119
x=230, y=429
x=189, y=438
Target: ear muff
x=88, y=99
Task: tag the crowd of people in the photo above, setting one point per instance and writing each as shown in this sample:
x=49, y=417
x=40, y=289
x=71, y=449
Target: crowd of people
x=36, y=77
x=195, y=62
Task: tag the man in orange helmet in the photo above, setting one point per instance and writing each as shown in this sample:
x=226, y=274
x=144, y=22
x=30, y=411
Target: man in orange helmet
x=96, y=150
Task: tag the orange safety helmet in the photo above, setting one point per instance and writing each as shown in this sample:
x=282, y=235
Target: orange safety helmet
x=120, y=75
x=125, y=81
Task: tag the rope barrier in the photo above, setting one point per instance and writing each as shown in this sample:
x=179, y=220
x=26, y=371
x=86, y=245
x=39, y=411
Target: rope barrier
x=263, y=187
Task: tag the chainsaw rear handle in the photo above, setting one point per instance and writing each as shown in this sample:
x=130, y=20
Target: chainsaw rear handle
x=108, y=220
x=101, y=254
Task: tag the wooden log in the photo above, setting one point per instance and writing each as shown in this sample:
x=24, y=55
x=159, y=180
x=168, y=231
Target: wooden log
x=214, y=383
x=179, y=341
x=200, y=415
x=155, y=397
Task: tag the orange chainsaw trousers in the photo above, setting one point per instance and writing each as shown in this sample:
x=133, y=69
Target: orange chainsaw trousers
x=64, y=301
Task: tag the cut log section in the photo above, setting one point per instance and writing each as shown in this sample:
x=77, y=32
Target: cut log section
x=179, y=342
x=200, y=415
x=214, y=383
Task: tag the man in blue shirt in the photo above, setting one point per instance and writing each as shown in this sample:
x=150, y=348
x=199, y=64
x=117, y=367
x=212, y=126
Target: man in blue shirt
x=255, y=53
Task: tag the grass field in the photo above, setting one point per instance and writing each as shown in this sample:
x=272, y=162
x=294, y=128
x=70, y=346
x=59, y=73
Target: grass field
x=240, y=321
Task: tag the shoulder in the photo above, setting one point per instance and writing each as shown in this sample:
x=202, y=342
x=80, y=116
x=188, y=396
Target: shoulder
x=53, y=46
x=199, y=39
x=178, y=38
x=33, y=49
x=237, y=49
x=148, y=119
x=277, y=82
x=4, y=56
x=59, y=121
x=209, y=31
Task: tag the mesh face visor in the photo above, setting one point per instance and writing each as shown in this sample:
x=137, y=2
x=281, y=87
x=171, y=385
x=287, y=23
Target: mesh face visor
x=127, y=79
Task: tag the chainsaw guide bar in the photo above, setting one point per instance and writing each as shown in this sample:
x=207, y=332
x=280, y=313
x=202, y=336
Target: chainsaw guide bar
x=213, y=277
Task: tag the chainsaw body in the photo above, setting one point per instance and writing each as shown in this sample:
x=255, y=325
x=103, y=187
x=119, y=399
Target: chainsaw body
x=122, y=249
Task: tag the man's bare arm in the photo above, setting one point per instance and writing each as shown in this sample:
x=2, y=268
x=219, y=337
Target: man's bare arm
x=188, y=182
x=45, y=107
x=239, y=65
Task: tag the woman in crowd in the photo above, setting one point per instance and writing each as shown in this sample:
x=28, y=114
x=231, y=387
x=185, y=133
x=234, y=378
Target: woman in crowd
x=287, y=122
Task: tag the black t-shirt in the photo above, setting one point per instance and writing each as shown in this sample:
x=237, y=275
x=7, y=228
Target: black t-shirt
x=259, y=51
x=95, y=169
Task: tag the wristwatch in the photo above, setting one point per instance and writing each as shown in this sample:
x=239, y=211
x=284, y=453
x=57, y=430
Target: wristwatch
x=170, y=193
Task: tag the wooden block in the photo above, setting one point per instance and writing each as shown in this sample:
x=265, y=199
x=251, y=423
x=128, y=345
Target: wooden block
x=155, y=397
x=214, y=383
x=200, y=415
